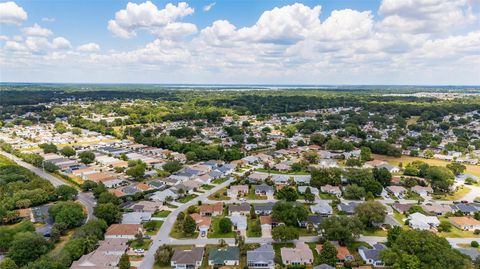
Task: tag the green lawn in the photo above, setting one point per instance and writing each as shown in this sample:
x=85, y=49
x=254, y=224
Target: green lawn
x=375, y=232
x=219, y=181
x=327, y=196
x=207, y=187
x=187, y=198
x=158, y=224
x=161, y=214
x=220, y=195
x=175, y=233
x=250, y=231
x=146, y=244
x=215, y=233
x=457, y=195
x=316, y=256
x=305, y=232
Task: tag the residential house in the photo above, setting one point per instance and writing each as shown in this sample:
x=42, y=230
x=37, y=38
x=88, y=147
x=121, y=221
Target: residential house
x=242, y=209
x=397, y=191
x=314, y=220
x=258, y=177
x=402, y=208
x=106, y=256
x=335, y=190
x=136, y=217
x=422, y=191
x=263, y=209
x=313, y=190
x=163, y=196
x=145, y=206
x=392, y=169
x=263, y=257
x=211, y=209
x=466, y=209
x=419, y=221
x=229, y=256
x=465, y=223
x=266, y=225
x=343, y=254
x=372, y=256
x=348, y=208
x=264, y=190
x=187, y=259
x=126, y=231
x=300, y=255
x=203, y=223
x=322, y=208
x=239, y=223
x=237, y=190
x=436, y=208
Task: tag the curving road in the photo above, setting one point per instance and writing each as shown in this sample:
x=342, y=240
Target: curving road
x=86, y=199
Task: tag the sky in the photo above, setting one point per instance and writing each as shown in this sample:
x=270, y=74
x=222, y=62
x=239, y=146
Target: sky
x=387, y=42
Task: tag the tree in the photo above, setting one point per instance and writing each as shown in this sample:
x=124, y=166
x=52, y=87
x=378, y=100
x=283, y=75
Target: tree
x=124, y=262
x=225, y=225
x=393, y=234
x=309, y=196
x=343, y=229
x=69, y=213
x=68, y=151
x=370, y=212
x=311, y=156
x=445, y=226
x=424, y=249
x=288, y=194
x=86, y=157
x=282, y=144
x=441, y=178
x=27, y=247
x=163, y=255
x=50, y=167
x=284, y=233
x=8, y=263
x=383, y=176
x=289, y=213
x=318, y=139
x=189, y=225
x=65, y=192
x=474, y=244
x=354, y=192
x=48, y=148
x=137, y=170
x=456, y=168
x=365, y=154
x=324, y=176
x=88, y=185
x=328, y=254
x=107, y=197
x=109, y=212
x=373, y=187
x=172, y=166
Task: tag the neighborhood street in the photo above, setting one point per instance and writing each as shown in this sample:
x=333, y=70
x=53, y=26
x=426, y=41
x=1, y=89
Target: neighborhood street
x=86, y=199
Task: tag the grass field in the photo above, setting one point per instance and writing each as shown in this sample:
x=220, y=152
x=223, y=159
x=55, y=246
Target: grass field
x=471, y=169
x=215, y=233
x=162, y=214
x=158, y=225
x=187, y=198
x=462, y=191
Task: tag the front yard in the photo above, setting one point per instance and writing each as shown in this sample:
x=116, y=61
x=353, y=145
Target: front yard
x=161, y=214
x=215, y=232
x=220, y=195
x=187, y=198
x=457, y=195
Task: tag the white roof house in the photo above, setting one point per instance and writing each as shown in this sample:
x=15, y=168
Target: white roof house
x=422, y=222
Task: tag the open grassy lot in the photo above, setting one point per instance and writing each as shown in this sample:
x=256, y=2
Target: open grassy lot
x=158, y=225
x=220, y=195
x=250, y=232
x=219, y=181
x=457, y=195
x=161, y=214
x=471, y=169
x=215, y=233
x=146, y=244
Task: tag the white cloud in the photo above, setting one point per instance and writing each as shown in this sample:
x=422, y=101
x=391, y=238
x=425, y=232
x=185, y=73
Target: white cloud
x=346, y=24
x=61, y=43
x=36, y=30
x=46, y=19
x=147, y=16
x=11, y=13
x=208, y=7
x=89, y=47
x=425, y=16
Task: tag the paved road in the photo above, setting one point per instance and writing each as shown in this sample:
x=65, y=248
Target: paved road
x=163, y=235
x=86, y=199
x=474, y=193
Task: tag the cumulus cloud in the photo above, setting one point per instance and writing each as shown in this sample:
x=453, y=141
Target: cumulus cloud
x=425, y=16
x=208, y=7
x=11, y=13
x=36, y=30
x=89, y=47
x=147, y=16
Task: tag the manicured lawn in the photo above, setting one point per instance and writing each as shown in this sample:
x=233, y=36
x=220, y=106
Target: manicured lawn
x=175, y=233
x=207, y=187
x=327, y=196
x=375, y=232
x=250, y=231
x=305, y=232
x=219, y=181
x=220, y=195
x=158, y=224
x=316, y=256
x=146, y=244
x=216, y=230
x=187, y=198
x=162, y=214
x=457, y=195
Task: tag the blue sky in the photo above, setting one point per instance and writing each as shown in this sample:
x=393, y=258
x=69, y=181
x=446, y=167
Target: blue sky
x=284, y=42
